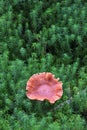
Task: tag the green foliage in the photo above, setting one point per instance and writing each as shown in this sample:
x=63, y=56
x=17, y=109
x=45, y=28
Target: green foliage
x=39, y=36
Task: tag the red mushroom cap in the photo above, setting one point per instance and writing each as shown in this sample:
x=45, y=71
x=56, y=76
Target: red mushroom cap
x=44, y=86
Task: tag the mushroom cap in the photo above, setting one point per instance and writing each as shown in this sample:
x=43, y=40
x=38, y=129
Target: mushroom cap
x=44, y=86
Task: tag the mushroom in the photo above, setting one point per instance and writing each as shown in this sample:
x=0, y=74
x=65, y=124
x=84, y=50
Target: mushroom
x=44, y=86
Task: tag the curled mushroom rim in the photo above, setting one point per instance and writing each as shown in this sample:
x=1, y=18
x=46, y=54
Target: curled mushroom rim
x=35, y=91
